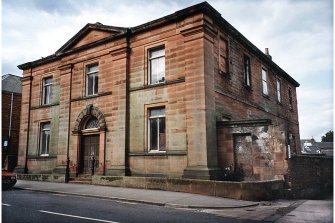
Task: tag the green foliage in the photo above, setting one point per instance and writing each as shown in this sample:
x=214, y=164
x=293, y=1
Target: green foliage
x=328, y=137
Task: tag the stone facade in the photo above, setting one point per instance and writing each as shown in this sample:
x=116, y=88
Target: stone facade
x=205, y=102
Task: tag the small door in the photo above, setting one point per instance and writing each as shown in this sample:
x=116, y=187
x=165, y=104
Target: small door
x=90, y=147
x=243, y=154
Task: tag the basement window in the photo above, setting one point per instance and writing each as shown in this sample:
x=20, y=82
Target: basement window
x=156, y=66
x=45, y=139
x=156, y=129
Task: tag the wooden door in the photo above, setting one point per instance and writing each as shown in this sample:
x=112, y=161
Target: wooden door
x=90, y=147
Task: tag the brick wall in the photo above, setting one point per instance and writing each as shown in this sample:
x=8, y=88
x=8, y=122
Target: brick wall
x=12, y=149
x=311, y=176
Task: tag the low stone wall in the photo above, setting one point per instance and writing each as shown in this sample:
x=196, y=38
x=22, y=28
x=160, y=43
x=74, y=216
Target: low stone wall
x=42, y=177
x=252, y=191
x=310, y=176
x=246, y=190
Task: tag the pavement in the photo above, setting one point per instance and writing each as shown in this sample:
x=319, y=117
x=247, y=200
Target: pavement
x=279, y=211
x=153, y=197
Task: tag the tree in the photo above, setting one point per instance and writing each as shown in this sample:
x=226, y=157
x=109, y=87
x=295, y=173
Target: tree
x=328, y=137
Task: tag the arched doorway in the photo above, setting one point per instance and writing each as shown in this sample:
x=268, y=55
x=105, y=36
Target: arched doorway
x=89, y=141
x=89, y=151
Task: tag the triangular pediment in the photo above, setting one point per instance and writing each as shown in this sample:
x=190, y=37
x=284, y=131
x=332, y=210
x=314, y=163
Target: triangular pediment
x=90, y=33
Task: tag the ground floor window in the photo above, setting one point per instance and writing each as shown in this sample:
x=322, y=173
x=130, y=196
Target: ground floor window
x=45, y=139
x=156, y=129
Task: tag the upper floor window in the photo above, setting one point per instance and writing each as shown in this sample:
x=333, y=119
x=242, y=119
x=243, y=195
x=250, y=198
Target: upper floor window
x=156, y=66
x=156, y=124
x=223, y=59
x=247, y=71
x=92, y=80
x=45, y=139
x=290, y=99
x=265, y=82
x=278, y=91
x=47, y=91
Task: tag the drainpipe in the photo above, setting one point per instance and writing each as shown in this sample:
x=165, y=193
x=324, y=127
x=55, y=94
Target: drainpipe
x=67, y=171
x=28, y=127
x=10, y=116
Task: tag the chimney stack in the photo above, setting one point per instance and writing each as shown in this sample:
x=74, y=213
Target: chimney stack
x=267, y=53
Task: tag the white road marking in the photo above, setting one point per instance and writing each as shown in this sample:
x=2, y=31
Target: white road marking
x=6, y=204
x=61, y=195
x=74, y=216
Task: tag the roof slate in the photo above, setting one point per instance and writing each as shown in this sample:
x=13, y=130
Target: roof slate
x=11, y=83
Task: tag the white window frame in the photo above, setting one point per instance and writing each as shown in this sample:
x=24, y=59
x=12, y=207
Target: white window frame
x=47, y=91
x=150, y=60
x=44, y=149
x=278, y=83
x=93, y=74
x=158, y=128
x=265, y=86
x=247, y=71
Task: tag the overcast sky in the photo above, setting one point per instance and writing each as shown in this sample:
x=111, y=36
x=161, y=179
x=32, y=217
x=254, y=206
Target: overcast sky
x=298, y=33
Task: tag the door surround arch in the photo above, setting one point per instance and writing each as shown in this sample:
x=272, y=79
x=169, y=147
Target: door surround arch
x=79, y=131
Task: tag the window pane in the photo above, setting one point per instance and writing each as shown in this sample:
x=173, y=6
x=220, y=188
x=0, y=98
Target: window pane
x=153, y=134
x=46, y=95
x=157, y=112
x=89, y=84
x=47, y=81
x=96, y=84
x=278, y=91
x=162, y=134
x=263, y=74
x=265, y=88
x=93, y=69
x=157, y=66
x=45, y=138
x=157, y=53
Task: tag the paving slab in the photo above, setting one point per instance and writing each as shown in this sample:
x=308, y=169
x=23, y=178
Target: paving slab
x=154, y=197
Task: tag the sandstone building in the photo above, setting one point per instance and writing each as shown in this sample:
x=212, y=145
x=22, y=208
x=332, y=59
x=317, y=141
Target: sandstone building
x=185, y=95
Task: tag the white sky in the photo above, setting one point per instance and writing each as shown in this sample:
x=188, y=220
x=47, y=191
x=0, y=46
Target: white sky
x=298, y=33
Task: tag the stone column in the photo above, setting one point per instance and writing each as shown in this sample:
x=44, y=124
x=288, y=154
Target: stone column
x=116, y=149
x=64, y=106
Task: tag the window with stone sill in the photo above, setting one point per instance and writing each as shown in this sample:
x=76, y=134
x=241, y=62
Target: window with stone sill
x=156, y=129
x=47, y=91
x=92, y=80
x=156, y=65
x=44, y=139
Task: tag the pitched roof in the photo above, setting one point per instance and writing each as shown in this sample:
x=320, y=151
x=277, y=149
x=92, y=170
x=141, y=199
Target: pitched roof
x=90, y=26
x=11, y=83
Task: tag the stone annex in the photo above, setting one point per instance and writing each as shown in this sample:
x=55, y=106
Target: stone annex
x=183, y=96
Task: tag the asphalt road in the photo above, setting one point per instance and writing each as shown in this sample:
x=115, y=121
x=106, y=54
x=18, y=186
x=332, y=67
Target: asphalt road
x=27, y=206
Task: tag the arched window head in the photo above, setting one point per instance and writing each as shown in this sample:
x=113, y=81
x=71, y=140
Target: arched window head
x=92, y=123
